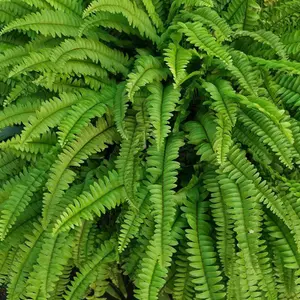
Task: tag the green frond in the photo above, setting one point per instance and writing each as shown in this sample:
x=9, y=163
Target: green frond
x=128, y=160
x=161, y=103
x=183, y=285
x=67, y=6
x=88, y=107
x=201, y=254
x=268, y=133
x=289, y=91
x=242, y=14
x=21, y=195
x=291, y=41
x=12, y=10
x=107, y=20
x=52, y=259
x=24, y=261
x=81, y=49
x=161, y=164
x=211, y=18
x=17, y=113
x=105, y=194
x=292, y=67
x=133, y=218
x=152, y=279
x=177, y=59
x=201, y=134
x=84, y=243
x=201, y=38
x=136, y=17
x=240, y=169
x=34, y=61
x=146, y=70
x=256, y=147
x=41, y=145
x=49, y=115
x=266, y=38
x=241, y=69
x=221, y=216
x=120, y=108
x=91, y=140
x=96, y=268
x=153, y=15
x=47, y=22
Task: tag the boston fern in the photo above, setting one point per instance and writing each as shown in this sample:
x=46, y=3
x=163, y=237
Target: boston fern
x=150, y=149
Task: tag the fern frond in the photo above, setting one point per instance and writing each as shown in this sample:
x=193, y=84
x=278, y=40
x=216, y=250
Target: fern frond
x=183, y=286
x=211, y=18
x=96, y=268
x=47, y=22
x=221, y=216
x=21, y=195
x=266, y=38
x=23, y=264
x=54, y=255
x=202, y=257
x=128, y=159
x=90, y=106
x=201, y=38
x=107, y=193
x=292, y=67
x=80, y=49
x=163, y=163
x=161, y=103
x=67, y=6
x=291, y=41
x=49, y=115
x=154, y=16
x=18, y=113
x=120, y=107
x=146, y=70
x=84, y=244
x=136, y=17
x=201, y=134
x=241, y=170
x=242, y=14
x=91, y=140
x=107, y=20
x=177, y=58
x=243, y=71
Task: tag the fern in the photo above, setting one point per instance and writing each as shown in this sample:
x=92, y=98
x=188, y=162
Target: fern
x=149, y=149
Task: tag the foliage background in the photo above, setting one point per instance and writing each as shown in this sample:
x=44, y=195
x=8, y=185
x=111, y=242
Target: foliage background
x=150, y=149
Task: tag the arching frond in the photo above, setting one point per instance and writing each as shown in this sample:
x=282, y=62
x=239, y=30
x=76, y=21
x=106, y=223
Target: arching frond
x=104, y=194
x=46, y=22
x=201, y=38
x=91, y=140
x=96, y=268
x=80, y=49
x=136, y=17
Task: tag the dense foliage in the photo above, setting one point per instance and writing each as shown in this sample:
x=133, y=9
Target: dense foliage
x=150, y=149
